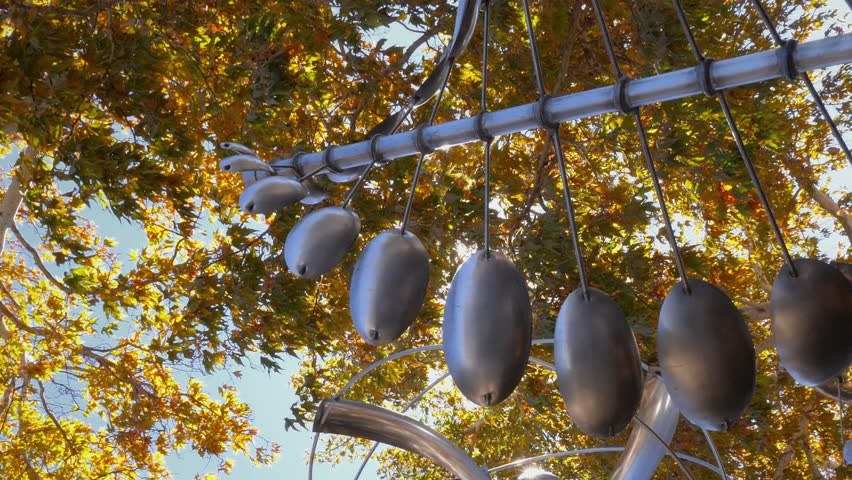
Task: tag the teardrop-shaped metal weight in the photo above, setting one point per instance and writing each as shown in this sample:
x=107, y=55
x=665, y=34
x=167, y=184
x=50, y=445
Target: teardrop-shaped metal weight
x=271, y=193
x=388, y=286
x=847, y=452
x=487, y=328
x=706, y=355
x=597, y=363
x=243, y=163
x=643, y=452
x=320, y=240
x=812, y=321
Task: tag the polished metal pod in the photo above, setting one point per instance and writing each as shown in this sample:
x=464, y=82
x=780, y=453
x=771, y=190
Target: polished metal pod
x=812, y=321
x=597, y=363
x=320, y=240
x=847, y=452
x=270, y=194
x=361, y=420
x=643, y=452
x=487, y=328
x=706, y=355
x=244, y=163
x=316, y=193
x=388, y=286
x=237, y=148
x=538, y=475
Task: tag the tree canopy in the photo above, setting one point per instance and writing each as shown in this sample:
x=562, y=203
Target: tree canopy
x=123, y=104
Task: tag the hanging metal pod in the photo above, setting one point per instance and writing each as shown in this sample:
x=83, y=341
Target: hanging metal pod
x=320, y=240
x=643, y=452
x=812, y=321
x=597, y=363
x=316, y=193
x=388, y=286
x=237, y=148
x=242, y=162
x=847, y=452
x=271, y=193
x=706, y=355
x=487, y=328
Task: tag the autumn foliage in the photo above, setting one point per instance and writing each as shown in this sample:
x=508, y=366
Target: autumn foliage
x=120, y=105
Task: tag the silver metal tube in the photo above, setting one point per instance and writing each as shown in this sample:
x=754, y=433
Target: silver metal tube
x=585, y=451
x=357, y=419
x=733, y=72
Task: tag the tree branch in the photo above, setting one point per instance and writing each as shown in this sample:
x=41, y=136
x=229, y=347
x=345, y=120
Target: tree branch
x=37, y=259
x=8, y=209
x=54, y=419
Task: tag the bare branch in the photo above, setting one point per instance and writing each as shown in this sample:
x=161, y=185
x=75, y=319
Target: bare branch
x=54, y=419
x=9, y=208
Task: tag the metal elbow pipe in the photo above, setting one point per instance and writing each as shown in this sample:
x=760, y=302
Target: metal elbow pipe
x=362, y=420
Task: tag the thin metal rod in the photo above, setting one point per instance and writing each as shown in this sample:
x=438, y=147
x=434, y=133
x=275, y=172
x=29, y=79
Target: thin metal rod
x=840, y=411
x=729, y=73
x=646, y=150
x=807, y=79
x=407, y=406
x=553, y=135
x=715, y=453
x=486, y=220
x=764, y=201
x=373, y=160
x=735, y=131
x=369, y=368
x=422, y=156
x=313, y=456
x=596, y=5
x=485, y=24
x=536, y=59
x=312, y=173
x=569, y=206
x=667, y=447
x=649, y=162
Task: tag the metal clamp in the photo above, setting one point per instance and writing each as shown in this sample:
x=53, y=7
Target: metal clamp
x=705, y=78
x=788, y=60
x=374, y=151
x=422, y=146
x=541, y=114
x=481, y=132
x=620, y=95
x=294, y=162
x=329, y=164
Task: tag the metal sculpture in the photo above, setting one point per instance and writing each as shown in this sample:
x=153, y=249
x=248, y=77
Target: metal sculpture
x=643, y=454
x=706, y=354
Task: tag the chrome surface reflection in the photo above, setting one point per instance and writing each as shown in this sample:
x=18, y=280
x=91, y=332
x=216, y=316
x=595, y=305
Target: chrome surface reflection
x=320, y=240
x=487, y=328
x=357, y=419
x=597, y=363
x=643, y=452
x=706, y=355
x=812, y=321
x=270, y=194
x=388, y=286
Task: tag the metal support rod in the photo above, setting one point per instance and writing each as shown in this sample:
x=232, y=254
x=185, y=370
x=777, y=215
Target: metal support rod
x=729, y=73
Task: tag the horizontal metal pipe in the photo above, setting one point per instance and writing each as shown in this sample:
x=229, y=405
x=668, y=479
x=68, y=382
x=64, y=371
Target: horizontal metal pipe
x=733, y=72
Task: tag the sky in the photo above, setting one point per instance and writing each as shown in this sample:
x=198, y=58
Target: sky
x=269, y=394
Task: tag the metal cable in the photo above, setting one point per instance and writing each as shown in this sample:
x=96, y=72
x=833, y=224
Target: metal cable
x=553, y=134
x=807, y=79
x=422, y=156
x=735, y=131
x=646, y=150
